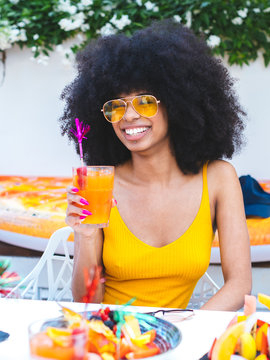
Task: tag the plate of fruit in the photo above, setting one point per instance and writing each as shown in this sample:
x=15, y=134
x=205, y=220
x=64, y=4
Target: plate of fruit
x=104, y=334
x=247, y=336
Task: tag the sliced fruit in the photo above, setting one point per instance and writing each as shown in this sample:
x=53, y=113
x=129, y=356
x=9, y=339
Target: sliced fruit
x=132, y=326
x=247, y=346
x=261, y=357
x=225, y=345
x=249, y=305
x=107, y=356
x=264, y=299
x=147, y=351
x=144, y=338
x=259, y=334
x=60, y=336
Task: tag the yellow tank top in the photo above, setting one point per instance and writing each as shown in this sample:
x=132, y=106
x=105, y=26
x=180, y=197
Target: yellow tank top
x=161, y=277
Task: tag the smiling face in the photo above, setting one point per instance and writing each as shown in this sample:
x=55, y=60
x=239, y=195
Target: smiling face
x=140, y=133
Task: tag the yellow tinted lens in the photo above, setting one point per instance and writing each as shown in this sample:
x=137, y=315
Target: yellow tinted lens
x=114, y=110
x=145, y=105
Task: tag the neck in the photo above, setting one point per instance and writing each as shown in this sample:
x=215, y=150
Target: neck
x=158, y=168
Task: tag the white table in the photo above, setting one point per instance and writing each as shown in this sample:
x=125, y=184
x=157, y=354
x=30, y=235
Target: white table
x=15, y=316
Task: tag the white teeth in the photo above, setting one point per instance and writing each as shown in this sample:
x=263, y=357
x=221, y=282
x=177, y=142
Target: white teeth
x=135, y=130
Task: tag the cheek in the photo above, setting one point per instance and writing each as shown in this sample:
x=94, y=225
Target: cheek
x=116, y=130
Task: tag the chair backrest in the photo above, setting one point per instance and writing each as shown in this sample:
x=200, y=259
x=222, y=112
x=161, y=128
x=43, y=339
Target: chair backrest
x=204, y=290
x=57, y=269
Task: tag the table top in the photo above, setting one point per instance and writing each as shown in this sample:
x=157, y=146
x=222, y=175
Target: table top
x=198, y=332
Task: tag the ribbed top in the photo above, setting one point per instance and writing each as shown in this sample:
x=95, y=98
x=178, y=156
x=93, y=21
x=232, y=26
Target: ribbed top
x=161, y=277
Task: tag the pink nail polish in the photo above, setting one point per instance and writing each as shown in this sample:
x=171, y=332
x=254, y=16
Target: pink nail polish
x=82, y=217
x=115, y=201
x=86, y=212
x=84, y=202
x=75, y=189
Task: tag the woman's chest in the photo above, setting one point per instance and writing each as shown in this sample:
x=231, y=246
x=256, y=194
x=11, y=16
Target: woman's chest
x=158, y=216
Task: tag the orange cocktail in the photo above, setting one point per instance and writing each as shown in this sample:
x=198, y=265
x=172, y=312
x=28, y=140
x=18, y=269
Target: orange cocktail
x=47, y=342
x=95, y=184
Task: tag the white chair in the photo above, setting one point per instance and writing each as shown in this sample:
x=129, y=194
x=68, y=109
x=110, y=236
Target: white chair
x=204, y=290
x=59, y=271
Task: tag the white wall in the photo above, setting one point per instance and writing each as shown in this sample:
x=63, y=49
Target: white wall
x=30, y=139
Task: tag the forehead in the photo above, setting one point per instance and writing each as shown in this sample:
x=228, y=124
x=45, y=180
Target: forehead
x=132, y=94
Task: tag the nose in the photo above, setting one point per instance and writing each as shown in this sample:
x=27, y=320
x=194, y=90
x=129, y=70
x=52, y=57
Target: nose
x=130, y=113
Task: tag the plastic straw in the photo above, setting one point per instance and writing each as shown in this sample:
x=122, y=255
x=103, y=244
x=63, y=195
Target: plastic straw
x=80, y=132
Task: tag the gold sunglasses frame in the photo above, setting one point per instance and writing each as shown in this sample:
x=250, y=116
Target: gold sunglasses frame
x=126, y=105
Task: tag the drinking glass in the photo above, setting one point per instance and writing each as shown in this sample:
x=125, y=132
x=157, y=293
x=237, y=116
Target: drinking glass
x=51, y=339
x=95, y=184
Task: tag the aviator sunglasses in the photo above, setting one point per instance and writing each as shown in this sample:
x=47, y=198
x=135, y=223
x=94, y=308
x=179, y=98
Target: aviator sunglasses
x=144, y=105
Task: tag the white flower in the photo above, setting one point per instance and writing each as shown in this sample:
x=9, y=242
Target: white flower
x=87, y=2
x=120, y=23
x=139, y=2
x=65, y=24
x=72, y=9
x=107, y=8
x=26, y=21
x=196, y=11
x=91, y=13
x=74, y=22
x=267, y=10
x=36, y=36
x=156, y=9
x=256, y=10
x=4, y=40
x=85, y=27
x=102, y=14
x=14, y=1
x=22, y=35
x=65, y=6
x=237, y=21
x=177, y=18
x=106, y=30
x=242, y=13
x=21, y=24
x=213, y=41
x=149, y=5
x=34, y=48
x=248, y=3
x=188, y=17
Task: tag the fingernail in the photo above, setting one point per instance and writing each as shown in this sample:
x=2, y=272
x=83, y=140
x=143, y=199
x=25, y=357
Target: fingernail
x=82, y=217
x=84, y=202
x=86, y=212
x=75, y=189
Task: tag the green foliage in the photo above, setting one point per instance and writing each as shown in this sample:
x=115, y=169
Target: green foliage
x=236, y=28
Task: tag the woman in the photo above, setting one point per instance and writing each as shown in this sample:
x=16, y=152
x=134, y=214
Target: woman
x=176, y=117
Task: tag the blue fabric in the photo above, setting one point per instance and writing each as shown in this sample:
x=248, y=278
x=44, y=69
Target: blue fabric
x=256, y=200
x=3, y=336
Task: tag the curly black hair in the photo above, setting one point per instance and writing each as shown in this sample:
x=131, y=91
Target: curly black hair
x=167, y=60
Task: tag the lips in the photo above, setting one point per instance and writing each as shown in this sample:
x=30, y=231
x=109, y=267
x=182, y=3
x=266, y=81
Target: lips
x=137, y=130
x=135, y=133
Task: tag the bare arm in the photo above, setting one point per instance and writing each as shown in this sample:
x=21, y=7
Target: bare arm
x=233, y=238
x=87, y=248
x=87, y=253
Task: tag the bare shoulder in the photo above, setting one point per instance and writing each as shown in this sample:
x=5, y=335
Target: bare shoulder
x=221, y=171
x=222, y=177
